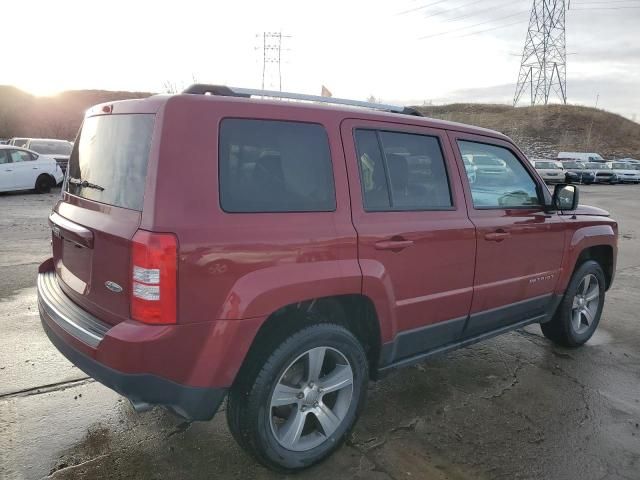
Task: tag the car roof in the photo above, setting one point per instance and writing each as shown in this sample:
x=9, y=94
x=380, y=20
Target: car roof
x=13, y=147
x=48, y=140
x=155, y=103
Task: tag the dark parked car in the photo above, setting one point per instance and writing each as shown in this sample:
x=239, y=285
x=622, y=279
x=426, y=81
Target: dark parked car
x=603, y=173
x=579, y=171
x=282, y=254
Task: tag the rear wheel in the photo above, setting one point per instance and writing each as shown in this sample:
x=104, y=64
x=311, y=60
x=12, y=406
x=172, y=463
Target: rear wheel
x=302, y=400
x=44, y=184
x=579, y=312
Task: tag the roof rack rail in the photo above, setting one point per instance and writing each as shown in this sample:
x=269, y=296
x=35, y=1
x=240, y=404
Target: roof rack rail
x=224, y=91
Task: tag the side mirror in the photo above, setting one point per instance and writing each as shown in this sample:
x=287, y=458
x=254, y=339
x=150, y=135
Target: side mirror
x=565, y=197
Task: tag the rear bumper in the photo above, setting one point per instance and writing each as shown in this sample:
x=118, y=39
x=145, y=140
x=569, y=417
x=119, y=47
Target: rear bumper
x=192, y=403
x=91, y=345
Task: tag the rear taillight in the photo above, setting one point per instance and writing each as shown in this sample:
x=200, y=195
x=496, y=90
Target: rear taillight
x=153, y=270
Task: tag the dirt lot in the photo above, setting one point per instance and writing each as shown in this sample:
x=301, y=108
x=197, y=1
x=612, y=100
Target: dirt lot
x=513, y=407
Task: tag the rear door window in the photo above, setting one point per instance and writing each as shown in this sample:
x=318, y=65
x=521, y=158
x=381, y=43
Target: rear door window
x=108, y=163
x=401, y=171
x=274, y=166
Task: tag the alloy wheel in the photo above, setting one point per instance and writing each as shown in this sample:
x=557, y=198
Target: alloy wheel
x=585, y=304
x=311, y=399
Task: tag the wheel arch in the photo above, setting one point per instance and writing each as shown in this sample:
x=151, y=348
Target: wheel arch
x=593, y=242
x=355, y=312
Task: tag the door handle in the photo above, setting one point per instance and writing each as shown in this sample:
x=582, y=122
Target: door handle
x=497, y=236
x=8, y=170
x=393, y=244
x=35, y=168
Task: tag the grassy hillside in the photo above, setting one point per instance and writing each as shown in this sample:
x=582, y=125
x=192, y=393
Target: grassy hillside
x=23, y=115
x=540, y=131
x=546, y=130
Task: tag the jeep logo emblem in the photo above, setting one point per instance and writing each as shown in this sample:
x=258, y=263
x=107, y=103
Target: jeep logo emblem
x=113, y=286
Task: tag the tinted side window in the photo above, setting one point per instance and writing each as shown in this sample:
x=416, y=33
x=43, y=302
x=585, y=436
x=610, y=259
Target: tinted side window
x=408, y=174
x=275, y=166
x=4, y=158
x=500, y=180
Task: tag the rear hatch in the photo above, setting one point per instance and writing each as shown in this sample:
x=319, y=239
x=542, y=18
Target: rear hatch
x=100, y=212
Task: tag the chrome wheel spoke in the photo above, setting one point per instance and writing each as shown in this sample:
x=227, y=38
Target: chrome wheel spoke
x=291, y=431
x=592, y=294
x=328, y=420
x=284, y=395
x=316, y=360
x=340, y=377
x=576, y=319
x=585, y=285
x=588, y=314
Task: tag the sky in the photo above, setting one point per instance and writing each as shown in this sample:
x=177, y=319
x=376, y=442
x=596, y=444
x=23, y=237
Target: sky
x=403, y=51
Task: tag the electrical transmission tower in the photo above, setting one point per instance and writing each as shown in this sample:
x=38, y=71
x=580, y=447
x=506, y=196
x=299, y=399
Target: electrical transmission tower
x=272, y=59
x=543, y=69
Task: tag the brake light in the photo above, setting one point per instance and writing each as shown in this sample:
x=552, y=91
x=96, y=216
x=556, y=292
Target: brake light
x=154, y=258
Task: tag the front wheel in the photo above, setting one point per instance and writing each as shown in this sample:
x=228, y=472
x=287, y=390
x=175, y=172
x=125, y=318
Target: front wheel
x=298, y=406
x=579, y=313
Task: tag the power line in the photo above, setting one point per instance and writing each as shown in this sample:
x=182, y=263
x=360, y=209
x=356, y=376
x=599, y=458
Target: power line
x=471, y=26
x=607, y=2
x=603, y=8
x=420, y=8
x=519, y=22
x=455, y=19
x=453, y=9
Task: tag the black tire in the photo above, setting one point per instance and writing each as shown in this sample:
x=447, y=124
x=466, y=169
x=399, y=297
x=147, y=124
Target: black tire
x=561, y=329
x=249, y=413
x=44, y=184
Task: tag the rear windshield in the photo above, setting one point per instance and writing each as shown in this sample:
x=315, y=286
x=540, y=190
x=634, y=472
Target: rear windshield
x=50, y=148
x=109, y=161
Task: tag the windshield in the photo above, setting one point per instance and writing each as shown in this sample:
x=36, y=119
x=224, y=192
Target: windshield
x=573, y=165
x=548, y=165
x=109, y=162
x=51, y=147
x=598, y=166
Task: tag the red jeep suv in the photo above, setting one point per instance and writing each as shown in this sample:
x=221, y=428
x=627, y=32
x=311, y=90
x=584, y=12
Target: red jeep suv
x=281, y=254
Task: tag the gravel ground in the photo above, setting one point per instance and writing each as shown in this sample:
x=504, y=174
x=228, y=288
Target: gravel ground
x=513, y=407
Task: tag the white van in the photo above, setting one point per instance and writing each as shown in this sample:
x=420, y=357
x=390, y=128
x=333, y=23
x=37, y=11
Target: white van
x=582, y=156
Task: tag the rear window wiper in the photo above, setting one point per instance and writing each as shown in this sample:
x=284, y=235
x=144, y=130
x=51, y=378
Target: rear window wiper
x=84, y=183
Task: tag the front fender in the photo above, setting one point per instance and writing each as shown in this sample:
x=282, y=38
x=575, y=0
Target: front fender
x=582, y=238
x=264, y=291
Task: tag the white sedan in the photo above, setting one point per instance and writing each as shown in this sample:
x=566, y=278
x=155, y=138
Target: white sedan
x=22, y=169
x=626, y=172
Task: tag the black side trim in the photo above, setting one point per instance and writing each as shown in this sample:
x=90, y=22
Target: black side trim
x=433, y=336
x=460, y=344
x=192, y=403
x=414, y=346
x=503, y=316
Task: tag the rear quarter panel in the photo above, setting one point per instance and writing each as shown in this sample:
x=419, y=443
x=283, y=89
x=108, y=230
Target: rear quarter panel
x=244, y=265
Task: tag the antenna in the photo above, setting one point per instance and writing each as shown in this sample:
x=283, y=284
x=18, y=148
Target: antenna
x=543, y=68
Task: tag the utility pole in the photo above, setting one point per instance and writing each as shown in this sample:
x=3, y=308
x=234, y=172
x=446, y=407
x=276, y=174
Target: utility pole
x=272, y=60
x=543, y=68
